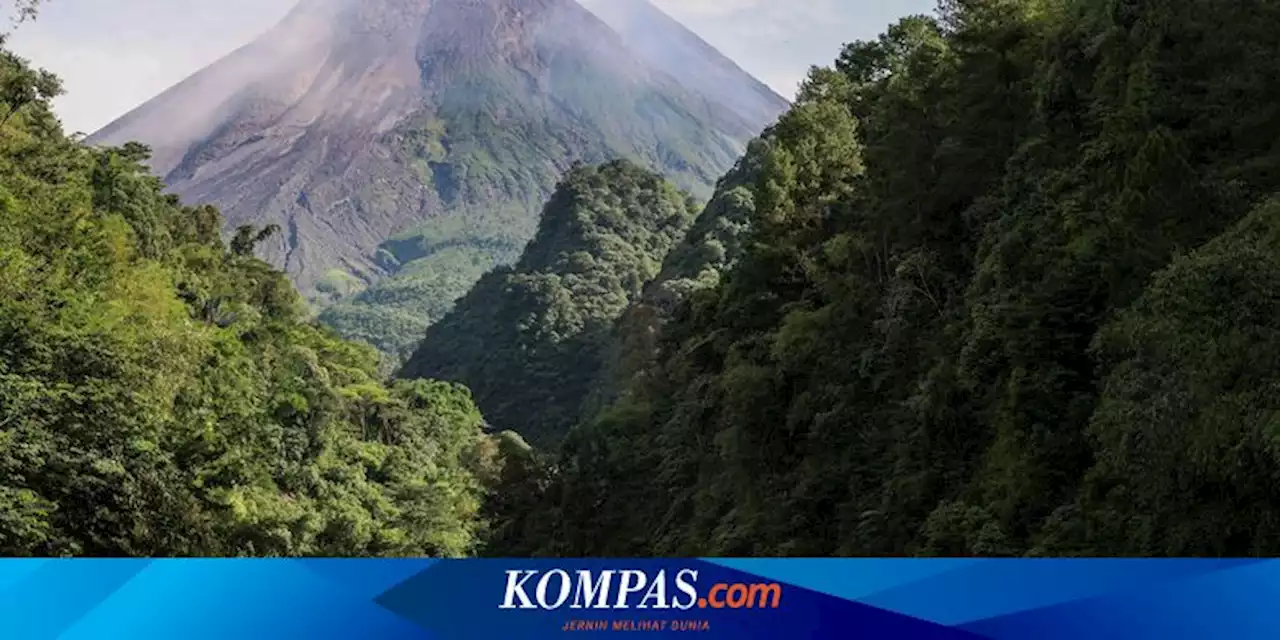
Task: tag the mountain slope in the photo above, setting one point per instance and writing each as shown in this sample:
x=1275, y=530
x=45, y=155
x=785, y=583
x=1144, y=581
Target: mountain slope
x=352, y=122
x=527, y=339
x=694, y=266
x=668, y=45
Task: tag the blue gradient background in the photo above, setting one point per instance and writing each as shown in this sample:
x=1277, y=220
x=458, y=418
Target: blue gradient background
x=963, y=599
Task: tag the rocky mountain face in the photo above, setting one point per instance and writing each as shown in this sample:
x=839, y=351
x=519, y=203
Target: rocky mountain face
x=380, y=133
x=665, y=43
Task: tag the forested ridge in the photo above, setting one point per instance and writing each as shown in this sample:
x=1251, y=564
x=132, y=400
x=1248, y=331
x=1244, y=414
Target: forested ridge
x=1005, y=284
x=1003, y=281
x=530, y=339
x=426, y=159
x=161, y=392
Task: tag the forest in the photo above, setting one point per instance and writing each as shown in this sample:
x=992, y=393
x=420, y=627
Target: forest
x=162, y=392
x=530, y=340
x=1004, y=281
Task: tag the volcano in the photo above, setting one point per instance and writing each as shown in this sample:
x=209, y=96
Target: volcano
x=377, y=133
x=665, y=43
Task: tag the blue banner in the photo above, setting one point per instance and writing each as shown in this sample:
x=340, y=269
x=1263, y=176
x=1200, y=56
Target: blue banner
x=703, y=598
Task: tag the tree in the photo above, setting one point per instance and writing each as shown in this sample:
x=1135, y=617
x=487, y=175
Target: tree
x=24, y=10
x=162, y=394
x=530, y=340
x=998, y=284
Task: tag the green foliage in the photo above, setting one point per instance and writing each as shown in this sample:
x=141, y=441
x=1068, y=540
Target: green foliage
x=1187, y=421
x=528, y=339
x=494, y=156
x=339, y=284
x=161, y=393
x=434, y=265
x=1002, y=282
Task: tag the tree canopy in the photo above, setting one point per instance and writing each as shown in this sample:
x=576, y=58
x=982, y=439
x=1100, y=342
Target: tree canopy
x=1003, y=285
x=161, y=393
x=530, y=339
x=1004, y=281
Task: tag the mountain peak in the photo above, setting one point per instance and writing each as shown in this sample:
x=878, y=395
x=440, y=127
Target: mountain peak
x=355, y=121
x=367, y=60
x=668, y=45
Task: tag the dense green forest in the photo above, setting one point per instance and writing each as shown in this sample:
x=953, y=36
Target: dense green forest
x=1005, y=281
x=491, y=150
x=161, y=392
x=529, y=340
x=434, y=265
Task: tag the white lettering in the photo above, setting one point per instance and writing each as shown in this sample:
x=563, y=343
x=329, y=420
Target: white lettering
x=657, y=591
x=632, y=582
x=587, y=590
x=686, y=587
x=515, y=589
x=541, y=593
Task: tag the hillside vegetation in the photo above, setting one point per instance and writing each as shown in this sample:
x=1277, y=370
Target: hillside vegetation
x=495, y=159
x=404, y=148
x=161, y=393
x=529, y=339
x=1005, y=281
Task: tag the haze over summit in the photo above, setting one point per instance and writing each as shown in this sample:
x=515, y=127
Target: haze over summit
x=115, y=56
x=415, y=141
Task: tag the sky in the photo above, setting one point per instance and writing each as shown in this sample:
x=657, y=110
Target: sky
x=115, y=54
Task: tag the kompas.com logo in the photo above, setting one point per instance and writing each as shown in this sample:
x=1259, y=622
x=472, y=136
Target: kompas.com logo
x=631, y=589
